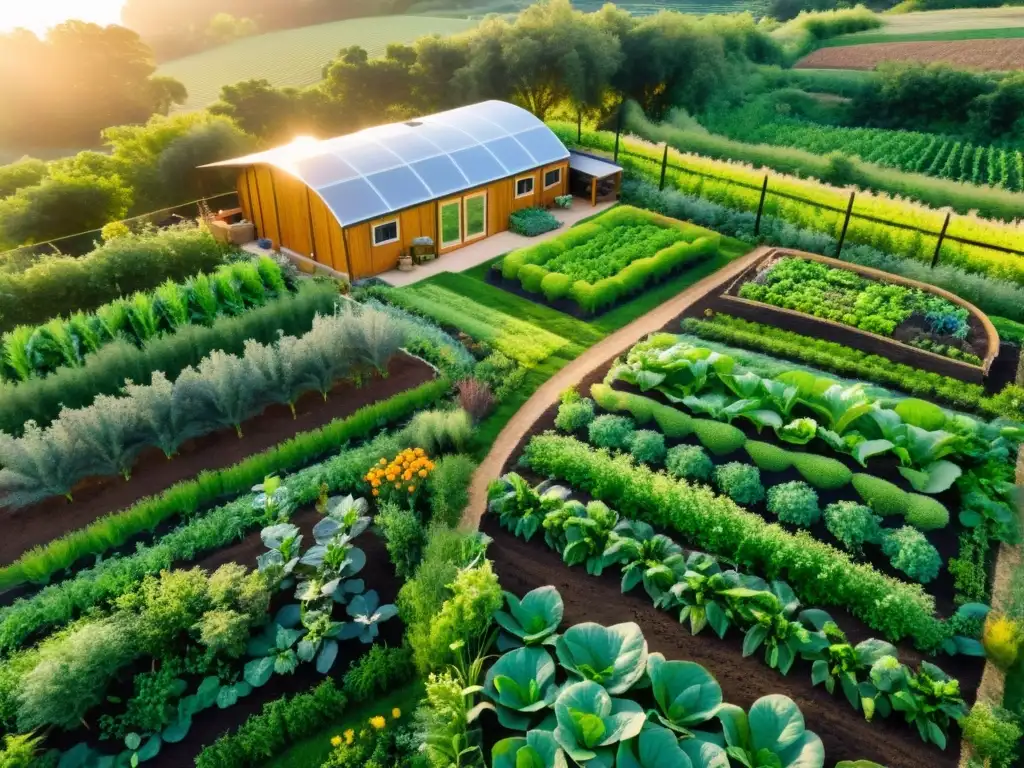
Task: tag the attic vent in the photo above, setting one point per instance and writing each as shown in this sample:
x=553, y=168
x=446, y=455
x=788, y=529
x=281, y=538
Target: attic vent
x=414, y=124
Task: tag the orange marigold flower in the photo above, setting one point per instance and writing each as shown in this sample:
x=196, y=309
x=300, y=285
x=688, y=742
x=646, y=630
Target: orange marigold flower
x=376, y=492
x=383, y=462
x=423, y=473
x=412, y=488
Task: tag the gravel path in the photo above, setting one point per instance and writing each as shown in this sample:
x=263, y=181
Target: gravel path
x=571, y=374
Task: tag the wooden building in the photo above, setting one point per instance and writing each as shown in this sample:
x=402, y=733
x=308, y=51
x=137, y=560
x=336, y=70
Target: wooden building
x=357, y=202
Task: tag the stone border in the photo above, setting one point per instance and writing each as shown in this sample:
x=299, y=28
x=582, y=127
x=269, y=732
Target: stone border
x=873, y=343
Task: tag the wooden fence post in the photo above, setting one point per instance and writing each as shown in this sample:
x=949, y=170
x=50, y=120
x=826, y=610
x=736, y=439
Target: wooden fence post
x=618, y=132
x=942, y=236
x=664, y=167
x=846, y=224
x=760, y=206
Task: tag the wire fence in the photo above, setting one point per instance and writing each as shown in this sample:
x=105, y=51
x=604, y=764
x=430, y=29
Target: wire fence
x=764, y=190
x=83, y=242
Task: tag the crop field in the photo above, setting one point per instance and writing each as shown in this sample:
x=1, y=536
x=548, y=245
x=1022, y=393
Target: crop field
x=296, y=56
x=964, y=21
x=933, y=155
x=478, y=10
x=995, y=55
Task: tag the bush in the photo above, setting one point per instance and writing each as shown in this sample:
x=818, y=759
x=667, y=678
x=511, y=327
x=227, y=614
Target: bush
x=378, y=671
x=794, y=503
x=20, y=751
x=531, y=222
x=1002, y=637
x=718, y=437
x=821, y=471
x=994, y=735
x=531, y=276
x=912, y=553
x=690, y=462
x=883, y=497
x=647, y=446
x=609, y=431
x=555, y=286
x=926, y=513
x=448, y=487
x=769, y=457
x=575, y=415
x=403, y=537
x=740, y=482
x=439, y=431
x=854, y=525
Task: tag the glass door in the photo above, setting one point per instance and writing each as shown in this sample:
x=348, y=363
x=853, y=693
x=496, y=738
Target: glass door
x=450, y=223
x=475, y=207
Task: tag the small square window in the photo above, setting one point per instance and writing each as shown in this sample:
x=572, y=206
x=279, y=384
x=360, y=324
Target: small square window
x=385, y=233
x=552, y=178
x=524, y=186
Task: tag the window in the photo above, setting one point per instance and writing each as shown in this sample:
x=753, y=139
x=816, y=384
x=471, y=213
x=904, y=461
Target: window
x=450, y=224
x=385, y=233
x=552, y=178
x=475, y=215
x=524, y=186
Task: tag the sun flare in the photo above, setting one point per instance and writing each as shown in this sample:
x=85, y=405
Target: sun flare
x=40, y=15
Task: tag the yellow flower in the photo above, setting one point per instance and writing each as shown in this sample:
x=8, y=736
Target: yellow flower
x=396, y=713
x=349, y=736
x=336, y=741
x=412, y=488
x=378, y=722
x=383, y=462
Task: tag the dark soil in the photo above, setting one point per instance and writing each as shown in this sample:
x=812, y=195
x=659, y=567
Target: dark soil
x=207, y=726
x=1004, y=368
x=153, y=473
x=846, y=736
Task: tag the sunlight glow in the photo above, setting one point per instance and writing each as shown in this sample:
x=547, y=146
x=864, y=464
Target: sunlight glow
x=40, y=15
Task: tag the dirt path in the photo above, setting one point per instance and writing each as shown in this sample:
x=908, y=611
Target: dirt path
x=593, y=358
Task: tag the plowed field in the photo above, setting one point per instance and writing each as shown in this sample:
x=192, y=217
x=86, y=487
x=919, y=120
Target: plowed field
x=978, y=54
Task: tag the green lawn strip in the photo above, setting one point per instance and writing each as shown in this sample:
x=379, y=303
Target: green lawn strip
x=847, y=41
x=1008, y=330
x=312, y=752
x=479, y=272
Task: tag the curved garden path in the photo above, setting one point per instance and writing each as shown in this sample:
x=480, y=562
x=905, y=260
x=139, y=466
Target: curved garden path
x=548, y=393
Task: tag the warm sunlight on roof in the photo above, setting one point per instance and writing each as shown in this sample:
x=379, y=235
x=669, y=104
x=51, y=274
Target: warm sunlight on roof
x=40, y=15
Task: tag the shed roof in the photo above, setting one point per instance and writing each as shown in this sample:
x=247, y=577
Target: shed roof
x=381, y=170
x=592, y=166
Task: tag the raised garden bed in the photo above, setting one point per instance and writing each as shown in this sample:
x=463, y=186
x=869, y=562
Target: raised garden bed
x=906, y=321
x=39, y=523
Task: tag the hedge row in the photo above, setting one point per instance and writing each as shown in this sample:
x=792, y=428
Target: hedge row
x=819, y=573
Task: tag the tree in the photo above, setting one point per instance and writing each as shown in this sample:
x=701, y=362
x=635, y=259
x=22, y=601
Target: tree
x=178, y=171
x=22, y=173
x=224, y=28
x=369, y=89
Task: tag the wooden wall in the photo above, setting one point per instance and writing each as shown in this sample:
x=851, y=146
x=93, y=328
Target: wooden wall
x=287, y=212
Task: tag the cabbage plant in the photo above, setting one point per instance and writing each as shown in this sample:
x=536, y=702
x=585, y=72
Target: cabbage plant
x=521, y=683
x=613, y=657
x=534, y=620
x=538, y=749
x=685, y=692
x=654, y=748
x=285, y=544
x=589, y=722
x=366, y=613
x=772, y=735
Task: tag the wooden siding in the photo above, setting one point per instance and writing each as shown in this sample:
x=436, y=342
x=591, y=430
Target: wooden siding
x=292, y=216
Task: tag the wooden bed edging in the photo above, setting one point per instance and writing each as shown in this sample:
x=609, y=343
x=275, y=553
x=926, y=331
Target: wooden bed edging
x=873, y=343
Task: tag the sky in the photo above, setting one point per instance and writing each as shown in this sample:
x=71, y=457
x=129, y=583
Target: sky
x=39, y=15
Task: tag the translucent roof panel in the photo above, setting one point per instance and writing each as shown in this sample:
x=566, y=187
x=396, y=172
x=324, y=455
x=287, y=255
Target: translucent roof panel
x=384, y=169
x=399, y=187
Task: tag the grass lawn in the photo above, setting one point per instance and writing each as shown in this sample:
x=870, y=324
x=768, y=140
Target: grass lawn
x=312, y=752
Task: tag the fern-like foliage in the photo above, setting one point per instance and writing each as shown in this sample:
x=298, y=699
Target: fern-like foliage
x=39, y=464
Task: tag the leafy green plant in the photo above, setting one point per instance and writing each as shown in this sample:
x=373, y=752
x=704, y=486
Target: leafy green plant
x=740, y=482
x=686, y=694
x=794, y=502
x=653, y=747
x=590, y=722
x=614, y=658
x=575, y=415
x=911, y=553
x=854, y=525
x=533, y=620
x=647, y=446
x=772, y=733
x=587, y=532
x=646, y=557
x=773, y=614
x=522, y=509
x=366, y=613
x=538, y=748
x=927, y=698
x=689, y=461
x=521, y=684
x=609, y=431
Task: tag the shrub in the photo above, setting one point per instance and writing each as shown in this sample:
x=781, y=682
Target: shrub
x=854, y=525
x=531, y=276
x=690, y=462
x=1002, y=637
x=994, y=735
x=555, y=286
x=718, y=437
x=883, y=497
x=575, y=415
x=926, y=513
x=448, y=487
x=378, y=671
x=475, y=398
x=769, y=457
x=609, y=431
x=442, y=430
x=822, y=471
x=20, y=751
x=531, y=222
x=912, y=553
x=403, y=537
x=794, y=503
x=740, y=482
x=647, y=446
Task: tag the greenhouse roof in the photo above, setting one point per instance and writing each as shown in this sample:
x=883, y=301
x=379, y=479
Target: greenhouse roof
x=381, y=170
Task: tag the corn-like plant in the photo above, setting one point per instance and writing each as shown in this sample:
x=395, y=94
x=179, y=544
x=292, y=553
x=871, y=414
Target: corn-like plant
x=113, y=318
x=17, y=365
x=142, y=318
x=52, y=346
x=249, y=283
x=171, y=304
x=202, y=300
x=229, y=297
x=37, y=465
